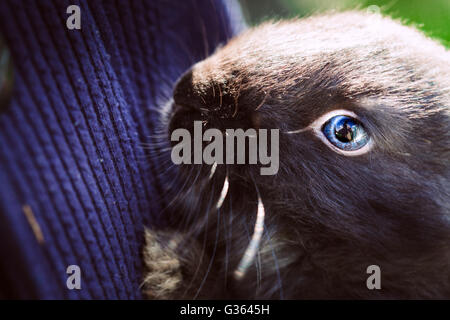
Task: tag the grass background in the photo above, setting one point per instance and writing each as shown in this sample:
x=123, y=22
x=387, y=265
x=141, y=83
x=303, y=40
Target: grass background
x=431, y=16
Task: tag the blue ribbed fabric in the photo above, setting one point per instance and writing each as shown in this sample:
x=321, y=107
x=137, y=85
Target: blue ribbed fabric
x=71, y=139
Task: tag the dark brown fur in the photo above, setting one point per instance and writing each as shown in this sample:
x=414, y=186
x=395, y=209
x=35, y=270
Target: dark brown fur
x=328, y=216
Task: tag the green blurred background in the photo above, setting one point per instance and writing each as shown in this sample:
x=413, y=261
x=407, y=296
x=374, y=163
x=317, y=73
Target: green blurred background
x=431, y=16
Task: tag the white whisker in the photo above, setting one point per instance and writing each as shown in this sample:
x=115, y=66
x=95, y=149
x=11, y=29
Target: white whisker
x=223, y=193
x=253, y=246
x=298, y=131
x=213, y=170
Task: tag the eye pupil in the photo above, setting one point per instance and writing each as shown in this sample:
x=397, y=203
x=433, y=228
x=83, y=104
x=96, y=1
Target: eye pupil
x=345, y=130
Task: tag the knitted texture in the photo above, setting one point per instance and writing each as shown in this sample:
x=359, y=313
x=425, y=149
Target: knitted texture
x=76, y=185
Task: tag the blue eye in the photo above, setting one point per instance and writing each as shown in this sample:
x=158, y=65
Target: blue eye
x=346, y=133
